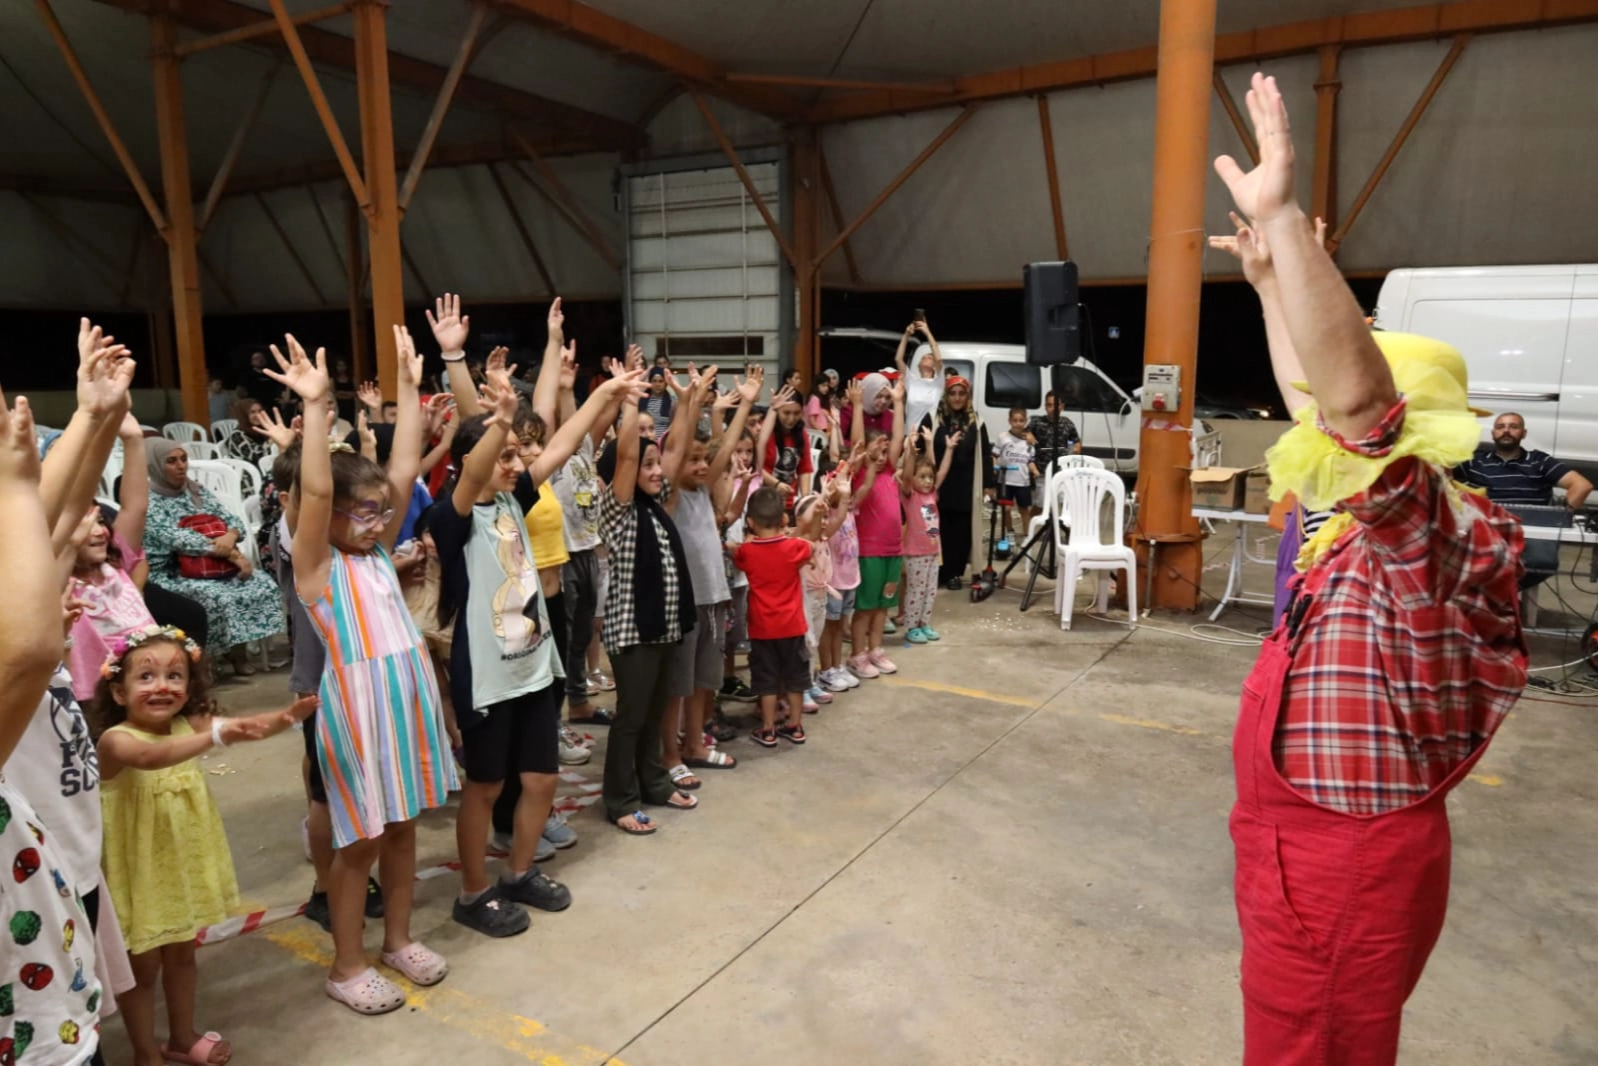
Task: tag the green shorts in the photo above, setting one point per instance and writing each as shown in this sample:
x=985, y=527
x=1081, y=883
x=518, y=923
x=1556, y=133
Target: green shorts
x=879, y=586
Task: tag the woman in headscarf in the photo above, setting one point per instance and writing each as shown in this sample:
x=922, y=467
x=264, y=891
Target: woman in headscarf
x=240, y=604
x=874, y=395
x=970, y=480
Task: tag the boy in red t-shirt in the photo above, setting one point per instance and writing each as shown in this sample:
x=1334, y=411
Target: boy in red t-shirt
x=780, y=664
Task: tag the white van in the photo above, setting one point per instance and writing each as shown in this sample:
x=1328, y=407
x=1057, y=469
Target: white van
x=1530, y=338
x=1107, y=418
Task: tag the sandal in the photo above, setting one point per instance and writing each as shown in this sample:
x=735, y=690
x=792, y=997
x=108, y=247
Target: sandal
x=712, y=760
x=681, y=801
x=794, y=734
x=420, y=965
x=200, y=1053
x=683, y=778
x=722, y=730
x=766, y=738
x=369, y=992
x=601, y=716
x=641, y=827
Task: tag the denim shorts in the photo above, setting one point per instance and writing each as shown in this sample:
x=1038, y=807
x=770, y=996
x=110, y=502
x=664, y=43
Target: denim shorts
x=840, y=605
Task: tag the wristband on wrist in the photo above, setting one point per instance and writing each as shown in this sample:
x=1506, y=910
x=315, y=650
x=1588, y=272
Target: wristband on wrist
x=216, y=733
x=452, y=357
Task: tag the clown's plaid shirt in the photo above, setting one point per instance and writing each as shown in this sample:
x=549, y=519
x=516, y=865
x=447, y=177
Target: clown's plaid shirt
x=1412, y=651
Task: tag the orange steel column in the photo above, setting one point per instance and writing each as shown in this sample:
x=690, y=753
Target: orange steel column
x=1324, y=172
x=1176, y=251
x=382, y=184
x=807, y=161
x=182, y=254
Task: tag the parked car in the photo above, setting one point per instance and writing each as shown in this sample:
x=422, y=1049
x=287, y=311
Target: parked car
x=1529, y=335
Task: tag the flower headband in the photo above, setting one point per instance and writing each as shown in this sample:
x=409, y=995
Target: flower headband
x=120, y=646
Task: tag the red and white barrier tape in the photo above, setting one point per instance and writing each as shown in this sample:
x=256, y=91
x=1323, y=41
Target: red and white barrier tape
x=241, y=924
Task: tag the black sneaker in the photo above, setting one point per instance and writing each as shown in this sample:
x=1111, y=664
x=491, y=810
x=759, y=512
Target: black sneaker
x=316, y=910
x=536, y=890
x=734, y=690
x=374, y=898
x=491, y=914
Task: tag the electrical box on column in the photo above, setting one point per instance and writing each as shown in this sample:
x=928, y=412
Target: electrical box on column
x=1162, y=383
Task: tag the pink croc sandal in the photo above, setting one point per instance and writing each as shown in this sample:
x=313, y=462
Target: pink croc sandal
x=369, y=992
x=420, y=965
x=199, y=1054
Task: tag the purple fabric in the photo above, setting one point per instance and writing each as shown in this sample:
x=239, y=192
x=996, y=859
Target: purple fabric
x=1287, y=552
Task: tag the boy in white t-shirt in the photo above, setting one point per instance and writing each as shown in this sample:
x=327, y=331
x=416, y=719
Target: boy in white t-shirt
x=1013, y=462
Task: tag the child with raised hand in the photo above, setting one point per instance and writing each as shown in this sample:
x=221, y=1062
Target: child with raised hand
x=817, y=516
x=506, y=673
x=699, y=499
x=166, y=856
x=783, y=446
x=380, y=733
x=882, y=542
x=919, y=481
x=844, y=547
x=780, y=665
x=649, y=608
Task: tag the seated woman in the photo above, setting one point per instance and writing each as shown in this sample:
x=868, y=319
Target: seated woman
x=240, y=605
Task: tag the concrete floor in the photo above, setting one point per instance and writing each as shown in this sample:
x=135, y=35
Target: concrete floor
x=1014, y=852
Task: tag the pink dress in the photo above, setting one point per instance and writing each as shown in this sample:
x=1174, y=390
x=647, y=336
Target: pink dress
x=921, y=524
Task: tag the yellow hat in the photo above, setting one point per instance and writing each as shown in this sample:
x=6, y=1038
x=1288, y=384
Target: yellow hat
x=1412, y=358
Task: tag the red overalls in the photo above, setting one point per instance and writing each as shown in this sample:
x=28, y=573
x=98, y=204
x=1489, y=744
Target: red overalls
x=1338, y=912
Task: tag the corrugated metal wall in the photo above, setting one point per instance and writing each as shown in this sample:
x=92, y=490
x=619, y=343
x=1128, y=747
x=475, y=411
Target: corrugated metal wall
x=702, y=264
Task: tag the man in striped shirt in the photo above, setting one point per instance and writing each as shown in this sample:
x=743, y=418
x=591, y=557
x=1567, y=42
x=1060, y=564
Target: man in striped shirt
x=1398, y=658
x=1513, y=474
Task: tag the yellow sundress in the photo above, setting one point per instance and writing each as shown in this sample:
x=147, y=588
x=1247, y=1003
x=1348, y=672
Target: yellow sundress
x=166, y=856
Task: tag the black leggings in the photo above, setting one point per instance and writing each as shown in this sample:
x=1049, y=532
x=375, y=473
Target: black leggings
x=172, y=609
x=955, y=531
x=634, y=773
x=505, y=804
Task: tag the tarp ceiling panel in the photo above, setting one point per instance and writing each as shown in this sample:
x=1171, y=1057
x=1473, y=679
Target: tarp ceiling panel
x=45, y=268
x=1499, y=170
x=932, y=38
x=219, y=87
x=520, y=56
x=680, y=129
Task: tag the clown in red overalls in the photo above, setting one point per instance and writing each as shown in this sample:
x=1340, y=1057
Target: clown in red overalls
x=1399, y=655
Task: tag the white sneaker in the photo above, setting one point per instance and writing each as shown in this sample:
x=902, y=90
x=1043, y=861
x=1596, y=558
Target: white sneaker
x=844, y=675
x=833, y=683
x=574, y=754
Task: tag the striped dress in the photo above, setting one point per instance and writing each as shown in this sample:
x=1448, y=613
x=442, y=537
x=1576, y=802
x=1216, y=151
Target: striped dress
x=380, y=729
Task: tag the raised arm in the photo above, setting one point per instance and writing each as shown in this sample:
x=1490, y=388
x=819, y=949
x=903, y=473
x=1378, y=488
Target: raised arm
x=1346, y=371
x=904, y=342
x=932, y=345
x=405, y=454
x=857, y=421
x=310, y=381
x=103, y=377
x=896, y=438
x=477, y=469
x=747, y=389
x=566, y=440
x=1250, y=249
x=133, y=496
x=29, y=648
x=547, y=390
x=907, y=470
x=625, y=478
x=685, y=417
x=450, y=329
x=370, y=401
x=949, y=454
x=763, y=438
x=440, y=412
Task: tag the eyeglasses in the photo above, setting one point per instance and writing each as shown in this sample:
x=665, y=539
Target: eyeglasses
x=367, y=519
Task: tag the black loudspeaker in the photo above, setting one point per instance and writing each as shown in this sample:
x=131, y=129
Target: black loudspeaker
x=1053, y=322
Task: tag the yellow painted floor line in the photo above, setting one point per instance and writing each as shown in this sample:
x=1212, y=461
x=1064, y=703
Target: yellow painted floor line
x=458, y=1010
x=957, y=690
x=1145, y=723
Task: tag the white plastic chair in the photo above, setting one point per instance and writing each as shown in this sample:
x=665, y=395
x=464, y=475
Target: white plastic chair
x=200, y=449
x=112, y=471
x=1063, y=462
x=249, y=476
x=1082, y=493
x=222, y=427
x=1079, y=462
x=264, y=464
x=183, y=432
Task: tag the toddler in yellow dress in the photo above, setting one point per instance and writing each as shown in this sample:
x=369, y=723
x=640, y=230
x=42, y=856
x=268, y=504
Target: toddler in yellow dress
x=166, y=856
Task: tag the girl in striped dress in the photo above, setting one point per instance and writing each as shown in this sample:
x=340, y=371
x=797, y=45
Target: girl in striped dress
x=380, y=735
